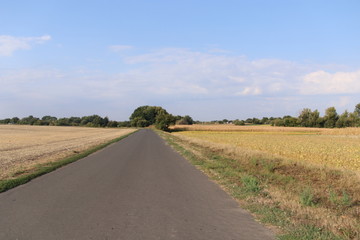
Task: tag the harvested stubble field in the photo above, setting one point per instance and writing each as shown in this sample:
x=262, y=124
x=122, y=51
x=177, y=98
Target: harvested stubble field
x=335, y=148
x=311, y=175
x=22, y=147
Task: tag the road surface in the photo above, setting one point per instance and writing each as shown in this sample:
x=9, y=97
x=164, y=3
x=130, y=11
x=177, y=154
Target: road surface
x=138, y=188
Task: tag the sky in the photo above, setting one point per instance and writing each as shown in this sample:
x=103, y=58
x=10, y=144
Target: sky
x=212, y=60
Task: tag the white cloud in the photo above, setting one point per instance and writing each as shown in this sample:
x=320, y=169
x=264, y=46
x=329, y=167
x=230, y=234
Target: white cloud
x=120, y=48
x=250, y=91
x=10, y=44
x=322, y=82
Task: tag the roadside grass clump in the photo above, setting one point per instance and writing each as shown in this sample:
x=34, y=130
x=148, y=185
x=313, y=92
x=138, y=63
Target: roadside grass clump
x=295, y=197
x=24, y=176
x=346, y=199
x=251, y=184
x=343, y=200
x=307, y=198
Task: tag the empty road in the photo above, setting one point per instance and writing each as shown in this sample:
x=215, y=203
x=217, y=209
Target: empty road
x=138, y=188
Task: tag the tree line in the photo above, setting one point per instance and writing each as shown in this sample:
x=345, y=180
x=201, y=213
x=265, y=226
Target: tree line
x=143, y=116
x=87, y=121
x=331, y=119
x=306, y=118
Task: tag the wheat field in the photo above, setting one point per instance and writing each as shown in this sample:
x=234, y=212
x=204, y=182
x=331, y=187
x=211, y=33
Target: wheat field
x=24, y=146
x=334, y=148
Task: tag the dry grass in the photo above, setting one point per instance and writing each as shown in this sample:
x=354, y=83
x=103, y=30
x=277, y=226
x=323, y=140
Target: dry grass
x=22, y=147
x=266, y=128
x=334, y=148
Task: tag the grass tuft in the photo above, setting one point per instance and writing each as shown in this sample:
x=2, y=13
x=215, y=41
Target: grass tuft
x=251, y=184
x=307, y=198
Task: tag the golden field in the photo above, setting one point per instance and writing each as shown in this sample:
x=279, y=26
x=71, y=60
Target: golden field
x=334, y=148
x=22, y=147
x=289, y=165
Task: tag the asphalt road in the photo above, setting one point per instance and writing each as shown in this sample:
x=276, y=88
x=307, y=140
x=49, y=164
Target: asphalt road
x=138, y=188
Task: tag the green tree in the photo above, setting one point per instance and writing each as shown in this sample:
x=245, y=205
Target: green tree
x=256, y=121
x=63, y=122
x=308, y=118
x=15, y=120
x=290, y=121
x=265, y=120
x=238, y=122
x=330, y=117
x=278, y=122
x=5, y=121
x=74, y=121
x=357, y=109
x=139, y=122
x=124, y=124
x=112, y=124
x=249, y=120
x=355, y=116
x=145, y=116
x=320, y=122
x=30, y=120
x=354, y=119
x=187, y=120
x=164, y=120
x=344, y=120
x=48, y=120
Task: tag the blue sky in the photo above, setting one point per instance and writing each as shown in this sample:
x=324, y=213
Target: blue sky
x=209, y=59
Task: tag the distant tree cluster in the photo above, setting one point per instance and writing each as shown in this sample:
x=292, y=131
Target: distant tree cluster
x=145, y=116
x=186, y=120
x=331, y=119
x=306, y=118
x=249, y=121
x=87, y=121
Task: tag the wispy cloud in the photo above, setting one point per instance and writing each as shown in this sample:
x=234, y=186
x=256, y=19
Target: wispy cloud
x=219, y=75
x=250, y=91
x=10, y=44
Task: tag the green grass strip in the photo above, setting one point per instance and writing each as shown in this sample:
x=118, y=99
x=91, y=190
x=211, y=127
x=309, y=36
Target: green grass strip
x=44, y=168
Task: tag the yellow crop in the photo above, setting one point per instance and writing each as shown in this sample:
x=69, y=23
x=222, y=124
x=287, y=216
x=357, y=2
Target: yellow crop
x=332, y=148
